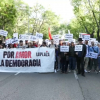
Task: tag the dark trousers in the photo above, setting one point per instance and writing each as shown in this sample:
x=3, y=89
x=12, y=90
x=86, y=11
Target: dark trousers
x=93, y=62
x=64, y=66
x=80, y=65
x=72, y=63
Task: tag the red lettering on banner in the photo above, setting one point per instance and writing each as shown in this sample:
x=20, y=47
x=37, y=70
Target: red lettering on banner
x=23, y=54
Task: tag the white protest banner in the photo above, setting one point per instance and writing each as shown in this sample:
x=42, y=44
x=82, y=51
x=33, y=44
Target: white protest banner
x=39, y=35
x=3, y=32
x=93, y=55
x=27, y=60
x=86, y=37
x=14, y=40
x=15, y=35
x=24, y=37
x=64, y=48
x=78, y=47
x=69, y=36
x=33, y=38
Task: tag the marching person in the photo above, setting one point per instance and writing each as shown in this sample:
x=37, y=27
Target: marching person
x=63, y=60
x=94, y=61
x=52, y=45
x=72, y=57
x=80, y=58
x=86, y=58
x=58, y=58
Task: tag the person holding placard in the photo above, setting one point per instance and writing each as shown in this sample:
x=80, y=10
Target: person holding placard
x=52, y=45
x=80, y=58
x=58, y=58
x=86, y=58
x=72, y=57
x=93, y=49
x=64, y=60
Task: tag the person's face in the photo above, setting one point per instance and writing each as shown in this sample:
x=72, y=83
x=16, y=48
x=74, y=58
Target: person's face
x=80, y=42
x=34, y=42
x=21, y=43
x=92, y=43
x=11, y=45
x=26, y=42
x=86, y=42
x=72, y=44
x=1, y=46
x=29, y=44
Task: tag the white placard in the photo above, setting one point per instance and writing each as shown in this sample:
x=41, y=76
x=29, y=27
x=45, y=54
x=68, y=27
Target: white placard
x=78, y=47
x=33, y=38
x=69, y=36
x=3, y=32
x=15, y=35
x=64, y=48
x=39, y=35
x=93, y=55
x=56, y=41
x=47, y=40
x=14, y=40
x=24, y=37
x=55, y=37
x=86, y=37
x=8, y=41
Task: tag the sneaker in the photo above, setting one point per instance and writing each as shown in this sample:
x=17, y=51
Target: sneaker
x=99, y=71
x=55, y=71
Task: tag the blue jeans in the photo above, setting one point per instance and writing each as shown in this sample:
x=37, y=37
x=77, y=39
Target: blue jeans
x=99, y=62
x=72, y=63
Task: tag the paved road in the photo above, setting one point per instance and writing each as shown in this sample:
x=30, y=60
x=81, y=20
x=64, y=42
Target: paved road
x=34, y=86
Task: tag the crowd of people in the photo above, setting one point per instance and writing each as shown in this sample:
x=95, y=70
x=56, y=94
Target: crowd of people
x=67, y=61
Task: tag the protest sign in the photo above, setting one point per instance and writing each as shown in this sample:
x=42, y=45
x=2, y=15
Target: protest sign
x=8, y=41
x=56, y=41
x=15, y=35
x=55, y=37
x=14, y=40
x=78, y=47
x=39, y=35
x=3, y=32
x=24, y=37
x=93, y=55
x=64, y=48
x=86, y=37
x=69, y=36
x=27, y=60
x=33, y=38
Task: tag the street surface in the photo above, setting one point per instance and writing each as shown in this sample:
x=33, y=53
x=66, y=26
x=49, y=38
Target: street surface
x=49, y=86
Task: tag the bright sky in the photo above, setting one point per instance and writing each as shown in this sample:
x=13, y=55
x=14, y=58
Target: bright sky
x=63, y=8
